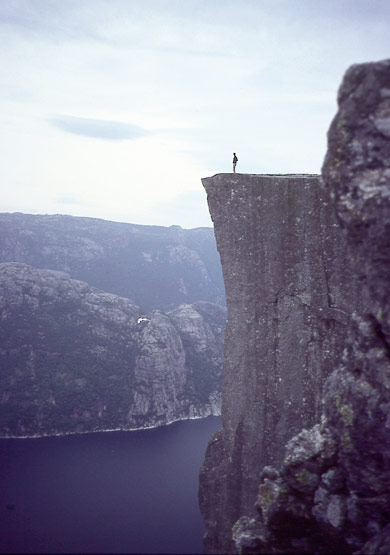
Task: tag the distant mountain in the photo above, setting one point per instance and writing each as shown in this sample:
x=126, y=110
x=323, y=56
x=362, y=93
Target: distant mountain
x=136, y=342
x=156, y=267
x=76, y=359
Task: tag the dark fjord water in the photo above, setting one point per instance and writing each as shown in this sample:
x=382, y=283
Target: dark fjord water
x=114, y=492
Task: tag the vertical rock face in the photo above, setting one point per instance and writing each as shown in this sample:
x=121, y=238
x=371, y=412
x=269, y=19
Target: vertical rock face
x=76, y=359
x=290, y=293
x=332, y=494
x=357, y=406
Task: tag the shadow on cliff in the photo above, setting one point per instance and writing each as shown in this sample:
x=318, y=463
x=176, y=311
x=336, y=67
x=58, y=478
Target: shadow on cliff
x=332, y=492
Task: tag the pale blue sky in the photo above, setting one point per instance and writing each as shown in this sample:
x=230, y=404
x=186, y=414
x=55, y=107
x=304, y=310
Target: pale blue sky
x=116, y=108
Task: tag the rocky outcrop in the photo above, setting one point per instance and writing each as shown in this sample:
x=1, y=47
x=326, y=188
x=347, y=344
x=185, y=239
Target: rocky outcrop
x=76, y=359
x=332, y=493
x=156, y=267
x=290, y=292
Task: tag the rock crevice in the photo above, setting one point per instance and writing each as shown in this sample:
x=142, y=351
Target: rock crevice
x=331, y=492
x=290, y=292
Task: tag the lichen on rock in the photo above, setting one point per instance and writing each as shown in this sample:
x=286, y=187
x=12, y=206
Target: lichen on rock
x=290, y=293
x=348, y=510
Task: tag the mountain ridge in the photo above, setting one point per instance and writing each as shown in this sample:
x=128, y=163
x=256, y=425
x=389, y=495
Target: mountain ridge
x=157, y=267
x=75, y=359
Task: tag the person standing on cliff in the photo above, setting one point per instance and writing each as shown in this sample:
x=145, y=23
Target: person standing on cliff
x=235, y=160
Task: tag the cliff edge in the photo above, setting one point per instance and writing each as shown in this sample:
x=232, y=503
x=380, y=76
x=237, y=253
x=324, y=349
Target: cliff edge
x=331, y=493
x=290, y=292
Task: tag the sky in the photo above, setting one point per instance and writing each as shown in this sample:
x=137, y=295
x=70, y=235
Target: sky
x=116, y=109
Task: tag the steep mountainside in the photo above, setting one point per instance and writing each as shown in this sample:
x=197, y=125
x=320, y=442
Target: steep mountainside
x=76, y=359
x=290, y=292
x=156, y=267
x=333, y=488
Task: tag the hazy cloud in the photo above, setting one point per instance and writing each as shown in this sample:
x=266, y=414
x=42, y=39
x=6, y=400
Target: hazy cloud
x=68, y=199
x=41, y=19
x=188, y=209
x=201, y=79
x=97, y=128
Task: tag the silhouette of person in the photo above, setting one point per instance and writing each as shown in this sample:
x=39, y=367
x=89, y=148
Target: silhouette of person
x=235, y=160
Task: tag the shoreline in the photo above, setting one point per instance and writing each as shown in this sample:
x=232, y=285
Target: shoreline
x=152, y=427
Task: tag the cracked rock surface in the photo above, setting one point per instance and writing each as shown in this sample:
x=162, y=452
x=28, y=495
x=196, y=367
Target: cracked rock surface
x=335, y=498
x=290, y=292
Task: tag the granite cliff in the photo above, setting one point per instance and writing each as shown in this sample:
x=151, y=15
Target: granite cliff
x=330, y=492
x=77, y=359
x=156, y=267
x=107, y=325
x=290, y=292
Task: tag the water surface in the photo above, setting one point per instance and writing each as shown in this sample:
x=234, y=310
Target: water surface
x=114, y=492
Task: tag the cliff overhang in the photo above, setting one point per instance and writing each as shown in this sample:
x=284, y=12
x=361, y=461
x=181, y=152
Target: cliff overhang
x=290, y=292
x=328, y=492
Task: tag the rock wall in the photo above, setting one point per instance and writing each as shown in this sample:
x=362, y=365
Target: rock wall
x=290, y=292
x=76, y=359
x=332, y=492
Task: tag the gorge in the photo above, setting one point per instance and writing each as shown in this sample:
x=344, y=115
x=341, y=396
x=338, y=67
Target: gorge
x=106, y=326
x=143, y=350
x=305, y=407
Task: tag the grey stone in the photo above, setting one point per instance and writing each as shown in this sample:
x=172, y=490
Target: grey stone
x=290, y=292
x=76, y=359
x=330, y=509
x=350, y=506
x=333, y=480
x=378, y=544
x=247, y=535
